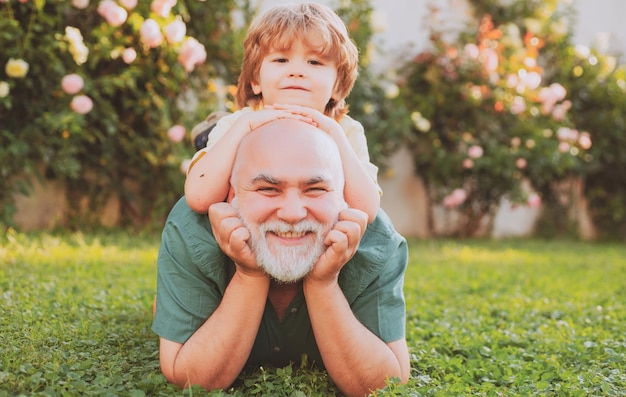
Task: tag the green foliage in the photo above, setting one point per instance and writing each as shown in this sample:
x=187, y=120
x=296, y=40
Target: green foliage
x=488, y=109
x=598, y=88
x=484, y=318
x=121, y=146
x=374, y=100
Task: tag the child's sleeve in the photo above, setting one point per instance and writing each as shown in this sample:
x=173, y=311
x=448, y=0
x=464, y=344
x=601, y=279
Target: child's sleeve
x=356, y=137
x=220, y=129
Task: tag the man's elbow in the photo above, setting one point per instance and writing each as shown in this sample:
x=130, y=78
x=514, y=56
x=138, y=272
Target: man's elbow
x=185, y=379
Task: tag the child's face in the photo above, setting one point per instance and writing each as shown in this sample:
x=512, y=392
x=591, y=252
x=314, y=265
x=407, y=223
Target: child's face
x=296, y=76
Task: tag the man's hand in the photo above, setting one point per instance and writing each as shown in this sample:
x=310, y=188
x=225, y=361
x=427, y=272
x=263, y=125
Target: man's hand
x=342, y=242
x=232, y=237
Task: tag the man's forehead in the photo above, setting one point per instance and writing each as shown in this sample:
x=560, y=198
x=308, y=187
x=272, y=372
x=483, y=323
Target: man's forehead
x=277, y=179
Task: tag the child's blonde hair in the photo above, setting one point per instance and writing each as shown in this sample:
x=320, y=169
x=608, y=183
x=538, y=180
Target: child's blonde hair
x=278, y=28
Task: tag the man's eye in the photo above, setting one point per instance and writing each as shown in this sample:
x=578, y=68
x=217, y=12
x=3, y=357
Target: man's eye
x=267, y=190
x=317, y=190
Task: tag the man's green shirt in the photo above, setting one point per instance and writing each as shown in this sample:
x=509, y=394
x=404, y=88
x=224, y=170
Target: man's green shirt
x=193, y=274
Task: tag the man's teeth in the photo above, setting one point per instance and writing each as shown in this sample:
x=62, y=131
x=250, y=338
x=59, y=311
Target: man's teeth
x=290, y=234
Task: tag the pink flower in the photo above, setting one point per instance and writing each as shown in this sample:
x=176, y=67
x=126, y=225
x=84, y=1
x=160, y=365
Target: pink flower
x=191, y=54
x=518, y=105
x=72, y=84
x=176, y=133
x=521, y=163
x=471, y=50
x=584, y=140
x=162, y=7
x=475, y=152
x=129, y=55
x=533, y=200
x=80, y=4
x=175, y=31
x=560, y=110
x=549, y=96
x=490, y=59
x=184, y=165
x=81, y=104
x=150, y=33
x=567, y=134
x=564, y=147
x=468, y=163
x=128, y=4
x=531, y=80
x=112, y=13
x=454, y=199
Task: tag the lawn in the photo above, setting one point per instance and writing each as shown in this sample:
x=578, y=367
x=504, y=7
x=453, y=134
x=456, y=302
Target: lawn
x=485, y=318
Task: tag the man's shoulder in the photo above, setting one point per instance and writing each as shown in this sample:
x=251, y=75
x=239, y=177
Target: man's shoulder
x=379, y=244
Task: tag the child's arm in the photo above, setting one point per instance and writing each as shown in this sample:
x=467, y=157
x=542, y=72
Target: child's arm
x=208, y=179
x=361, y=191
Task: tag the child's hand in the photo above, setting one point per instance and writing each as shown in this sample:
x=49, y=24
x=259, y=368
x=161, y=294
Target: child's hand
x=253, y=120
x=319, y=119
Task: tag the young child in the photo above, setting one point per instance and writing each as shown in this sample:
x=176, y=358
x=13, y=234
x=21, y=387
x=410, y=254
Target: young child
x=299, y=62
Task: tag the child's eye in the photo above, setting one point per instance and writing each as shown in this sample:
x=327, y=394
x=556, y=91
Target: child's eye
x=315, y=62
x=281, y=60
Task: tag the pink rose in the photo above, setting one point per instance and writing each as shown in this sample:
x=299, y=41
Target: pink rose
x=72, y=84
x=150, y=33
x=129, y=55
x=128, y=4
x=191, y=54
x=475, y=152
x=81, y=104
x=521, y=163
x=456, y=198
x=80, y=4
x=471, y=50
x=468, y=163
x=184, y=165
x=584, y=141
x=175, y=31
x=533, y=200
x=112, y=13
x=518, y=106
x=176, y=133
x=162, y=7
x=564, y=147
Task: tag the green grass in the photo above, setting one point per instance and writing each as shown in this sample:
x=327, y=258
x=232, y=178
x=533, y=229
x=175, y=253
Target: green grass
x=485, y=318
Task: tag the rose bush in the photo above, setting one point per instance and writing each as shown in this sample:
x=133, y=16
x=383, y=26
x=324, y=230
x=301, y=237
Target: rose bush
x=90, y=89
x=491, y=110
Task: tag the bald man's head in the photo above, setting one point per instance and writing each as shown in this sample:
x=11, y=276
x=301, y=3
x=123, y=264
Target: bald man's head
x=290, y=142
x=287, y=187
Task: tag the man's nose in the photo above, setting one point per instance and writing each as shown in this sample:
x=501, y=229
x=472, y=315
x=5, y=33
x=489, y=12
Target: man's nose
x=292, y=208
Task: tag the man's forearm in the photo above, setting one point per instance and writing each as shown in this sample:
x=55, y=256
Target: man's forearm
x=216, y=353
x=356, y=359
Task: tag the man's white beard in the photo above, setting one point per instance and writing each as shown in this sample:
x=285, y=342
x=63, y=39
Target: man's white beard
x=286, y=264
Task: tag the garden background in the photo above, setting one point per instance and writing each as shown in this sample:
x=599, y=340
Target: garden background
x=496, y=107
x=497, y=112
